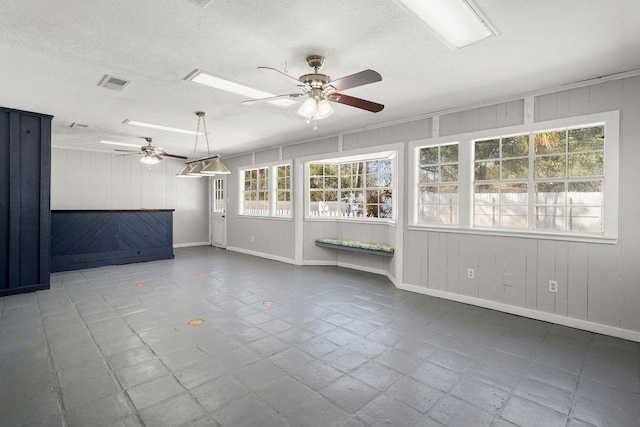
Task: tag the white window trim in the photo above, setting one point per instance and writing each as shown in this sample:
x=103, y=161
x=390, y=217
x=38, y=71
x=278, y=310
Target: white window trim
x=272, y=190
x=611, y=201
x=372, y=153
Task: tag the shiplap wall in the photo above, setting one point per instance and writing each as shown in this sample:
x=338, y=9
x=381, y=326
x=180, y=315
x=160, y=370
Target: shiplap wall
x=97, y=180
x=598, y=283
x=271, y=238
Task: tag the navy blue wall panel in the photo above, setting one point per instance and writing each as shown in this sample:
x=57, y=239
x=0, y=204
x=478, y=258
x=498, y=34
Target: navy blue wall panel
x=25, y=175
x=138, y=230
x=29, y=254
x=86, y=239
x=4, y=199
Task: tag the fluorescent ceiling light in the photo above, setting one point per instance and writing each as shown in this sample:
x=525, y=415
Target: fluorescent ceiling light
x=456, y=22
x=161, y=127
x=124, y=144
x=210, y=80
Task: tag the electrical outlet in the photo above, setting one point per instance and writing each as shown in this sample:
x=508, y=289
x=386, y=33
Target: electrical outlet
x=253, y=239
x=553, y=286
x=471, y=273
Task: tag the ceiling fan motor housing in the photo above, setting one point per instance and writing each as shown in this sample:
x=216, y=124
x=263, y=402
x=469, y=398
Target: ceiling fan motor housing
x=316, y=62
x=315, y=80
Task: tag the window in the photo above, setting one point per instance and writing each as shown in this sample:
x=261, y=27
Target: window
x=501, y=174
x=218, y=195
x=352, y=188
x=266, y=191
x=564, y=188
x=283, y=205
x=568, y=175
x=548, y=178
x=438, y=184
x=256, y=192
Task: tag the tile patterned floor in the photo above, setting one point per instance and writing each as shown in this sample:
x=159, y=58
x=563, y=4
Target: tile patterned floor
x=112, y=346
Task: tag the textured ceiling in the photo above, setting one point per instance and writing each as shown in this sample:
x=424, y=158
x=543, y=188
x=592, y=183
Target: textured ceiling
x=54, y=53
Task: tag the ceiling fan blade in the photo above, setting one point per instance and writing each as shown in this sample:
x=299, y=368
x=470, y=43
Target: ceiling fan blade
x=354, y=80
x=284, y=76
x=352, y=101
x=174, y=156
x=128, y=151
x=128, y=154
x=272, y=98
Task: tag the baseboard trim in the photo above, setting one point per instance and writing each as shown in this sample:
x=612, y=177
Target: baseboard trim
x=261, y=255
x=353, y=267
x=362, y=268
x=322, y=262
x=190, y=244
x=527, y=312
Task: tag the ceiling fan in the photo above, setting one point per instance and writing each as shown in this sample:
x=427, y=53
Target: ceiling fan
x=320, y=89
x=151, y=155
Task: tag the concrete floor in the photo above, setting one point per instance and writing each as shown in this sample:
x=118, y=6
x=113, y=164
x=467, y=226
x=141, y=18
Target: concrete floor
x=112, y=346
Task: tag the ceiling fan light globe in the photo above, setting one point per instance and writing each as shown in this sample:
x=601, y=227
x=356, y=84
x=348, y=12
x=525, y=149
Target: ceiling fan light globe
x=308, y=109
x=215, y=167
x=150, y=160
x=324, y=109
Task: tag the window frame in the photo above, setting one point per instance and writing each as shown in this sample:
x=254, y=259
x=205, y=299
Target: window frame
x=466, y=181
x=439, y=184
x=272, y=190
x=373, y=156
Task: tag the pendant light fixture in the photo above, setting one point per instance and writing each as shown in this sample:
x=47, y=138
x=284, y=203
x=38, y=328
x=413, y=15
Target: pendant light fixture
x=204, y=166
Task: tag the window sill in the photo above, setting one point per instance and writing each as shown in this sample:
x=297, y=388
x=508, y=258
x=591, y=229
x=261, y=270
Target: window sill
x=276, y=218
x=351, y=220
x=518, y=234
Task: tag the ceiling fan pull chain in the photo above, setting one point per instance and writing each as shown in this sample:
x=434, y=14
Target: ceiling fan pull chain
x=286, y=67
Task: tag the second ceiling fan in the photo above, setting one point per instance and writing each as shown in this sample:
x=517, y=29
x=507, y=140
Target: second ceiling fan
x=320, y=89
x=151, y=154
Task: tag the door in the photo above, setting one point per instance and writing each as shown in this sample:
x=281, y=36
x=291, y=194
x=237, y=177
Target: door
x=219, y=211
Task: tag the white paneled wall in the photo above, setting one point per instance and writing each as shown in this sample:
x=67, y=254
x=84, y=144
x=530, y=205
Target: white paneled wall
x=599, y=284
x=98, y=180
x=403, y=132
x=316, y=230
x=489, y=117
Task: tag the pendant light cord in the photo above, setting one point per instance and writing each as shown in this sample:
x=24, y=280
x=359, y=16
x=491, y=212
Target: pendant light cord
x=206, y=136
x=195, y=145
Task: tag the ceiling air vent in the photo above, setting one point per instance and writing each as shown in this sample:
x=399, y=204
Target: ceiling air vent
x=201, y=3
x=113, y=83
x=78, y=125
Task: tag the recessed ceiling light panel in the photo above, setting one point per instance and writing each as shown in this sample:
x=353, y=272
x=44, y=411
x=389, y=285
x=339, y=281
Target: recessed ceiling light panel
x=208, y=79
x=124, y=144
x=458, y=23
x=161, y=127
